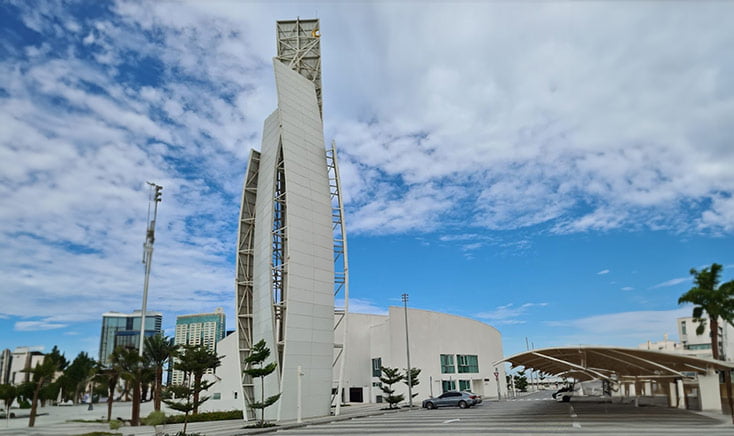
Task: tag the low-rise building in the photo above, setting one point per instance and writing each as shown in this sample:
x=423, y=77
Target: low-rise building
x=699, y=345
x=664, y=345
x=452, y=352
x=5, y=359
x=22, y=360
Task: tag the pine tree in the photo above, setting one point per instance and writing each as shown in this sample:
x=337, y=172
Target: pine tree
x=194, y=361
x=389, y=377
x=259, y=353
x=413, y=380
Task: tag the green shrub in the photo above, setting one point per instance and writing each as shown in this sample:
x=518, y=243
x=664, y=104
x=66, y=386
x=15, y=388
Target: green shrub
x=115, y=425
x=206, y=416
x=100, y=433
x=154, y=418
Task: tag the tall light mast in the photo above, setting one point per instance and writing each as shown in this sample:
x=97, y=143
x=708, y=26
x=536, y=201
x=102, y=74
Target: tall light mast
x=154, y=197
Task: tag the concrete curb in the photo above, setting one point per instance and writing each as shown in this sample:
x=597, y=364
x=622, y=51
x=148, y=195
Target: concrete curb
x=322, y=420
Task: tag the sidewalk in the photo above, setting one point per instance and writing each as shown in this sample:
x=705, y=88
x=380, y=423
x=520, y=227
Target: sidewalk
x=54, y=421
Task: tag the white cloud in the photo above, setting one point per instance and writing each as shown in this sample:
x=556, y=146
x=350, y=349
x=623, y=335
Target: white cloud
x=603, y=272
x=617, y=129
x=360, y=305
x=586, y=145
x=628, y=288
x=508, y=314
x=461, y=237
x=620, y=329
x=31, y=326
x=671, y=282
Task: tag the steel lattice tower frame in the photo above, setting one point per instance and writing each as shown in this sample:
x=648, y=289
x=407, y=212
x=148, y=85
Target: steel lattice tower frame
x=291, y=258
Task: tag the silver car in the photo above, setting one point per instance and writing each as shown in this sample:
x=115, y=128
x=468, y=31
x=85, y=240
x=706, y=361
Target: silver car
x=450, y=398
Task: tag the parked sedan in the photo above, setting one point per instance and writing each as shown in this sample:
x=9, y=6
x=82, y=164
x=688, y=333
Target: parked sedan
x=450, y=398
x=476, y=397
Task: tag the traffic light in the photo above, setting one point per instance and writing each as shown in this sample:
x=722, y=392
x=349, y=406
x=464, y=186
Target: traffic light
x=158, y=193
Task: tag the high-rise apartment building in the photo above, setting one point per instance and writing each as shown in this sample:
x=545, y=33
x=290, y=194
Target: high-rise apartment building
x=123, y=329
x=199, y=329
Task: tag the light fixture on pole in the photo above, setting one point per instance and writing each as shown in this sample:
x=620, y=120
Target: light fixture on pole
x=155, y=197
x=407, y=350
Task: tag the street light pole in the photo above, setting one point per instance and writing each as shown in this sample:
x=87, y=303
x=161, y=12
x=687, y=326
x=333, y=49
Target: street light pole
x=407, y=350
x=147, y=257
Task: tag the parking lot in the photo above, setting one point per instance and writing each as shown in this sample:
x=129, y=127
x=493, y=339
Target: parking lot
x=535, y=414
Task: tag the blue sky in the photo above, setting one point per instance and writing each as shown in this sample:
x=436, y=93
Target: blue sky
x=552, y=169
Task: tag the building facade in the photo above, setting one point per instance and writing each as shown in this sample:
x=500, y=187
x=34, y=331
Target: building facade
x=123, y=329
x=452, y=352
x=5, y=360
x=22, y=359
x=664, y=345
x=285, y=251
x=225, y=393
x=699, y=345
x=205, y=329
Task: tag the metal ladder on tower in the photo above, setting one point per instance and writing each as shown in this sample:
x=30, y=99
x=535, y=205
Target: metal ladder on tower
x=341, y=271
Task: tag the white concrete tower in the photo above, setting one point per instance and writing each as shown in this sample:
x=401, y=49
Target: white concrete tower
x=285, y=264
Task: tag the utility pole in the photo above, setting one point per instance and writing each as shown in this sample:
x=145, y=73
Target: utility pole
x=155, y=197
x=407, y=350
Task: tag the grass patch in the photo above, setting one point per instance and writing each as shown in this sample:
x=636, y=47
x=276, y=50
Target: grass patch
x=154, y=418
x=266, y=425
x=99, y=433
x=206, y=416
x=91, y=421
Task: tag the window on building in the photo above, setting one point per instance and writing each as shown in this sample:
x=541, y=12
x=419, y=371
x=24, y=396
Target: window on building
x=376, y=365
x=217, y=396
x=448, y=385
x=464, y=385
x=467, y=363
x=447, y=364
x=698, y=347
x=683, y=327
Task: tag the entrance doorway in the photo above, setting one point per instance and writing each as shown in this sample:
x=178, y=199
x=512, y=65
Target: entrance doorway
x=355, y=395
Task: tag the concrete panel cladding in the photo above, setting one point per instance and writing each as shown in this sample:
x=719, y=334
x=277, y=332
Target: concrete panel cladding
x=285, y=244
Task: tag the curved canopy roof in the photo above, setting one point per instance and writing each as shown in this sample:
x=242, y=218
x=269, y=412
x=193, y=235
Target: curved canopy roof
x=595, y=362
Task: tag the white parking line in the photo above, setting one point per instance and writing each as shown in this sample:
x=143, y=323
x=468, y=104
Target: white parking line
x=573, y=414
x=451, y=420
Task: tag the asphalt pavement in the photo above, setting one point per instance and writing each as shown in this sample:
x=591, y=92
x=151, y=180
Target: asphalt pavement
x=530, y=414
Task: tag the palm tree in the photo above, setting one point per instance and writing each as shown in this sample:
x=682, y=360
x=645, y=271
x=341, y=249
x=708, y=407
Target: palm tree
x=158, y=350
x=43, y=374
x=707, y=296
x=109, y=377
x=131, y=368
